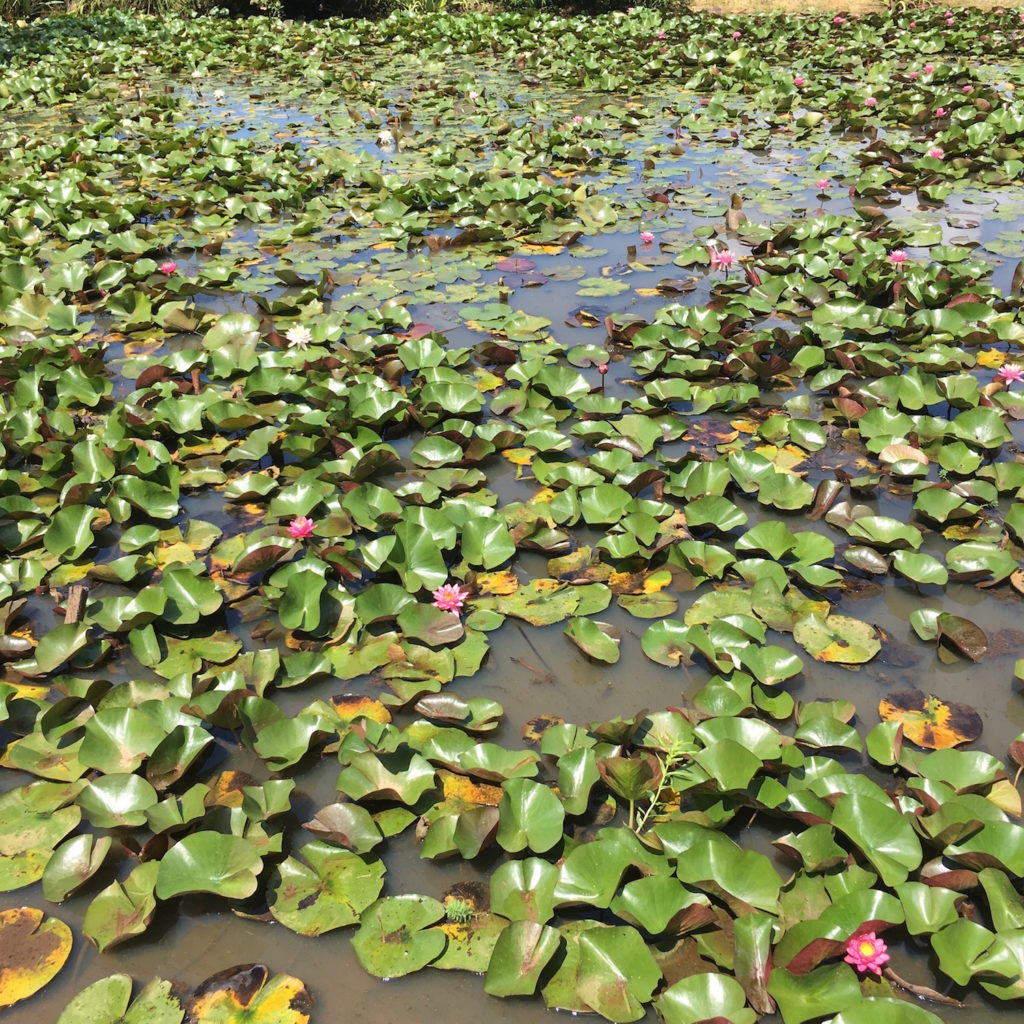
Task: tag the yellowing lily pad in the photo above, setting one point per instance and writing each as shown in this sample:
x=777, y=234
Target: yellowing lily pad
x=928, y=721
x=33, y=948
x=243, y=995
x=837, y=638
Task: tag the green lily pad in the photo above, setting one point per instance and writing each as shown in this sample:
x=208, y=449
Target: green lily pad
x=331, y=890
x=704, y=997
x=596, y=639
x=520, y=955
x=617, y=973
x=209, y=862
x=107, y=1002
x=530, y=815
x=123, y=910
x=395, y=937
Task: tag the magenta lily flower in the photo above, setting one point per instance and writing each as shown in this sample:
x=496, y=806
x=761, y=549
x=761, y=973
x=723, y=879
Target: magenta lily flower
x=300, y=528
x=450, y=597
x=798, y=81
x=737, y=34
x=823, y=184
x=838, y=20
x=867, y=953
x=912, y=76
x=168, y=267
x=940, y=111
x=928, y=68
x=647, y=237
x=871, y=102
x=898, y=257
x=1010, y=373
x=936, y=153
x=721, y=259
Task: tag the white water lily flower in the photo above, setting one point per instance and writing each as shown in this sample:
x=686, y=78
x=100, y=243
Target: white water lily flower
x=218, y=94
x=299, y=337
x=385, y=139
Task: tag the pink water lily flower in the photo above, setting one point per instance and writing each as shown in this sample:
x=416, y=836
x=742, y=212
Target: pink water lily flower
x=928, y=68
x=602, y=368
x=968, y=88
x=936, y=153
x=737, y=34
x=798, y=81
x=449, y=597
x=721, y=259
x=823, y=184
x=898, y=257
x=912, y=76
x=838, y=20
x=1010, y=373
x=647, y=237
x=940, y=111
x=661, y=33
x=867, y=953
x=871, y=102
x=577, y=119
x=842, y=49
x=168, y=267
x=913, y=24
x=300, y=527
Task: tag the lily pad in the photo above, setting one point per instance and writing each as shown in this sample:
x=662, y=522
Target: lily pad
x=107, y=1002
x=930, y=722
x=209, y=862
x=245, y=994
x=395, y=937
x=34, y=949
x=837, y=638
x=331, y=890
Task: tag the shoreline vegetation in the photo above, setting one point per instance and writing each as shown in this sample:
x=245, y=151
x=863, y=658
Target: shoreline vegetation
x=25, y=11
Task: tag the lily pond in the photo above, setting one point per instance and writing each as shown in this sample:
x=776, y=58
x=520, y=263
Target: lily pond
x=537, y=499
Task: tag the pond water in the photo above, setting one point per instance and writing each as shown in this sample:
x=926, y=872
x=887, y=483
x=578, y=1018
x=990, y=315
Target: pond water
x=443, y=286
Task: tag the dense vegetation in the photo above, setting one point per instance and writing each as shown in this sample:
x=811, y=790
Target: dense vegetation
x=332, y=353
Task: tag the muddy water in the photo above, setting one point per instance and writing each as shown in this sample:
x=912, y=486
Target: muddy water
x=530, y=671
